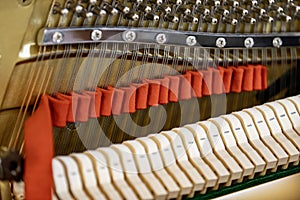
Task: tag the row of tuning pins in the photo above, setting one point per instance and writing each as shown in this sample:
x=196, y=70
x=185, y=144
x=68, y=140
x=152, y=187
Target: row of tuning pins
x=207, y=11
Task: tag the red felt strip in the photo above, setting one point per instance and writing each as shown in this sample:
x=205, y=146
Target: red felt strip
x=257, y=79
x=117, y=103
x=98, y=95
x=185, y=88
x=106, y=101
x=73, y=102
x=196, y=83
x=173, y=88
x=153, y=92
x=141, y=95
x=248, y=78
x=82, y=114
x=91, y=109
x=164, y=90
x=227, y=76
x=207, y=82
x=264, y=77
x=218, y=86
x=237, y=79
x=129, y=99
x=38, y=149
x=59, y=110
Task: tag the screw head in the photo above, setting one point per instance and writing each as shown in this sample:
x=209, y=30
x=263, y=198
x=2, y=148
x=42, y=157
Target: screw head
x=191, y=40
x=57, y=37
x=221, y=42
x=96, y=35
x=277, y=42
x=129, y=36
x=161, y=38
x=249, y=42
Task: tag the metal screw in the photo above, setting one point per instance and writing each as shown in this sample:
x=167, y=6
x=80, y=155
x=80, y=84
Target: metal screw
x=191, y=40
x=161, y=38
x=277, y=42
x=129, y=36
x=221, y=42
x=96, y=35
x=249, y=42
x=57, y=37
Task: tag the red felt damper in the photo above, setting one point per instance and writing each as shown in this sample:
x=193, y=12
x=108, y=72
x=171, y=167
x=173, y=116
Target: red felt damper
x=73, y=102
x=237, y=79
x=38, y=149
x=141, y=95
x=82, y=114
x=106, y=101
x=248, y=78
x=164, y=90
x=59, y=111
x=227, y=76
x=185, y=87
x=218, y=85
x=173, y=88
x=207, y=82
x=117, y=103
x=153, y=92
x=257, y=78
x=91, y=109
x=98, y=97
x=129, y=99
x=264, y=77
x=196, y=83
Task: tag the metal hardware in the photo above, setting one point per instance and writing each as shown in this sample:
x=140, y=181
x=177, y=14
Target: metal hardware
x=221, y=42
x=129, y=36
x=96, y=35
x=161, y=38
x=191, y=40
x=277, y=42
x=249, y=42
x=57, y=37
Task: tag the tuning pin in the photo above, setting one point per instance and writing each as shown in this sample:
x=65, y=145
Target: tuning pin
x=131, y=15
x=177, y=2
x=248, y=19
x=122, y=8
x=284, y=17
x=194, y=2
x=164, y=8
x=151, y=16
x=268, y=2
x=212, y=2
x=294, y=8
x=210, y=19
x=93, y=2
x=232, y=3
x=144, y=7
x=171, y=18
x=251, y=2
x=158, y=2
x=258, y=10
x=221, y=11
x=80, y=10
x=182, y=9
x=266, y=18
x=97, y=11
x=229, y=20
x=190, y=18
x=276, y=8
x=241, y=11
x=202, y=10
x=136, y=1
x=110, y=9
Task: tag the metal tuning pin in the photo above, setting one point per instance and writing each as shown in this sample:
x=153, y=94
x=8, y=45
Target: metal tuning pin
x=177, y=2
x=258, y=10
x=57, y=9
x=248, y=19
x=268, y=2
x=122, y=8
x=164, y=8
x=182, y=9
x=151, y=16
x=209, y=19
x=241, y=11
x=294, y=8
x=158, y=2
x=229, y=20
x=132, y=16
x=284, y=17
x=202, y=10
x=80, y=10
x=212, y=2
x=221, y=11
x=251, y=2
x=171, y=18
x=194, y=2
x=191, y=19
x=232, y=3
x=276, y=8
x=110, y=9
x=144, y=8
x=97, y=11
x=266, y=18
